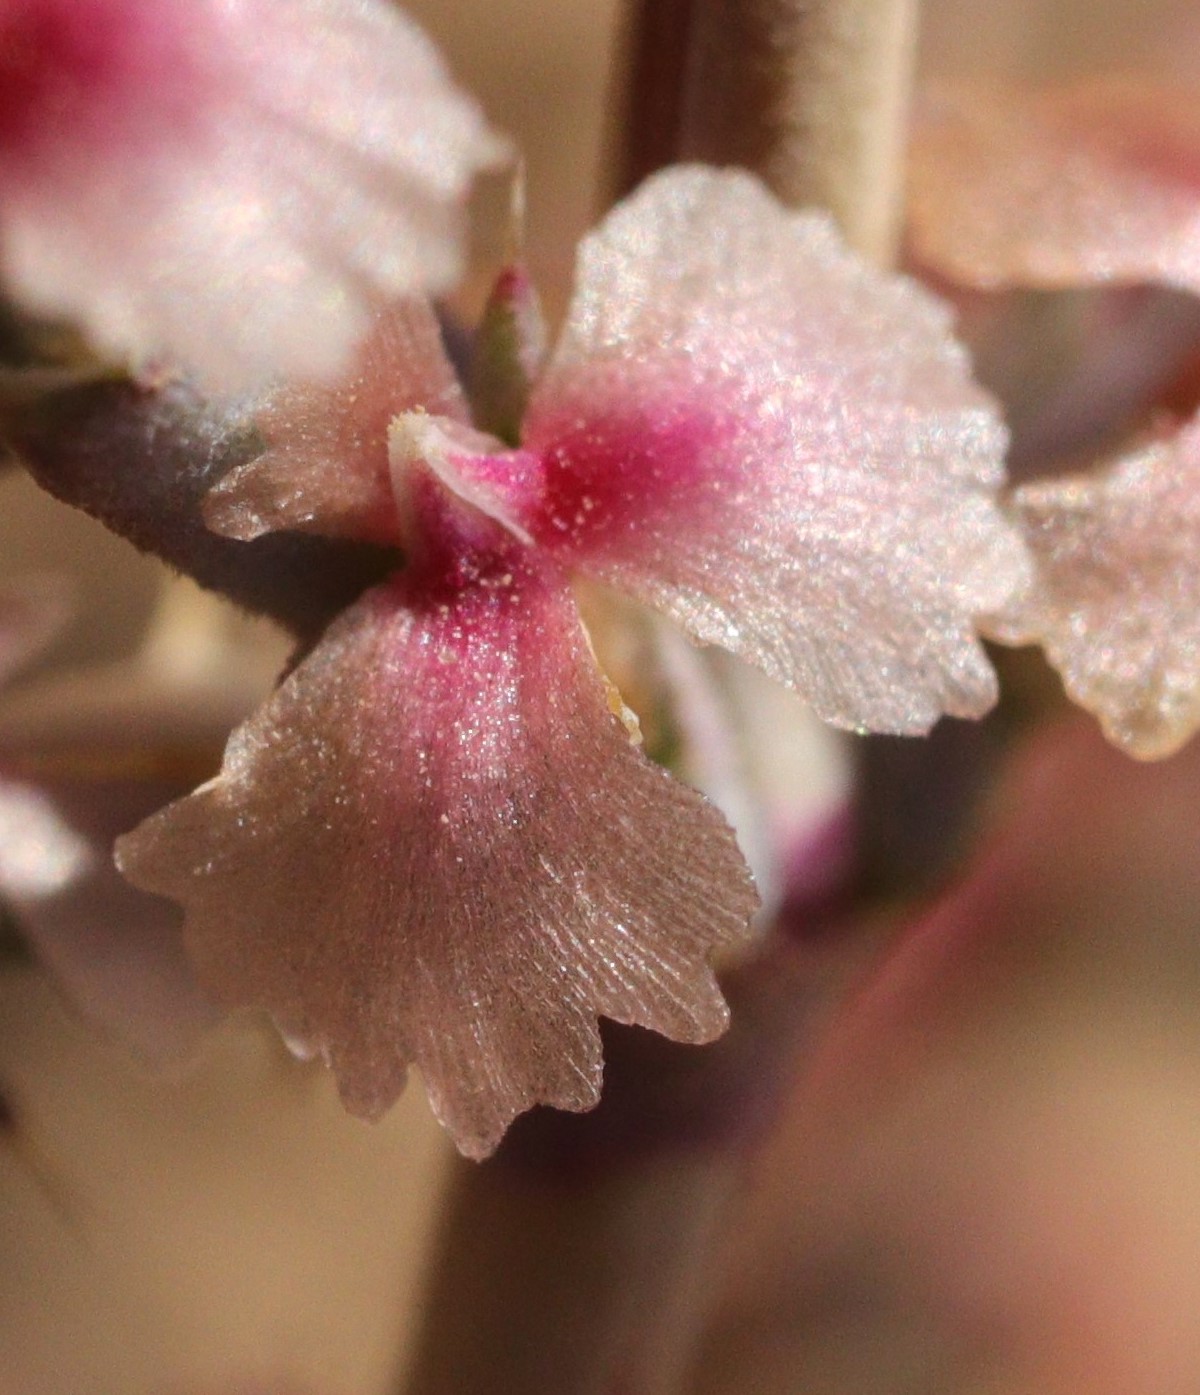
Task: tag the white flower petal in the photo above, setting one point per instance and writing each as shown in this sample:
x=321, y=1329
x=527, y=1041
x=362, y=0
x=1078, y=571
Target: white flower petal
x=781, y=449
x=1115, y=601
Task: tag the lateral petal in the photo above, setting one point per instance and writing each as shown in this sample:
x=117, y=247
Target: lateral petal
x=436, y=845
x=779, y=448
x=325, y=469
x=1115, y=599
x=1089, y=184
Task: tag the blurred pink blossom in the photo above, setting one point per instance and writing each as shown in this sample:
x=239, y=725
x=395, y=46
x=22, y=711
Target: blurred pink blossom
x=1096, y=184
x=231, y=183
x=988, y=1170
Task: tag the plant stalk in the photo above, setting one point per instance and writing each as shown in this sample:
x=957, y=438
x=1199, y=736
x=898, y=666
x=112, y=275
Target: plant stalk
x=810, y=94
x=577, y=1260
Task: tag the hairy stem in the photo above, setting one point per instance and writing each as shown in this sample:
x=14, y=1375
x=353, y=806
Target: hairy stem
x=141, y=461
x=589, y=1262
x=576, y=1260
x=811, y=94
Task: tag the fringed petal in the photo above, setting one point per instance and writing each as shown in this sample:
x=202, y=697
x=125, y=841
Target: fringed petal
x=325, y=469
x=1115, y=600
x=1096, y=183
x=779, y=448
x=436, y=845
x=236, y=183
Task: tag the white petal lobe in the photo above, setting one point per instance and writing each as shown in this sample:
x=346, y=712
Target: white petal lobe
x=1115, y=600
x=303, y=161
x=781, y=449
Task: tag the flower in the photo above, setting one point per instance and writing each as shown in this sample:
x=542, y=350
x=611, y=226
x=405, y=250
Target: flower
x=1090, y=184
x=164, y=164
x=1097, y=184
x=437, y=843
x=1116, y=599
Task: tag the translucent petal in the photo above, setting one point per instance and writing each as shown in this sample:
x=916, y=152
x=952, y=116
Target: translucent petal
x=1115, y=600
x=437, y=846
x=779, y=448
x=781, y=777
x=326, y=467
x=1093, y=183
x=306, y=159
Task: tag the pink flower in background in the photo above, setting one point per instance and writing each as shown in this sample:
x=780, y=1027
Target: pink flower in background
x=1093, y=185
x=438, y=843
x=234, y=183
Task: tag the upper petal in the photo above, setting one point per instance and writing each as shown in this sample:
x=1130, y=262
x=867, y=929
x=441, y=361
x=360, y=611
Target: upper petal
x=1115, y=597
x=781, y=449
x=301, y=161
x=1093, y=183
x=436, y=845
x=325, y=469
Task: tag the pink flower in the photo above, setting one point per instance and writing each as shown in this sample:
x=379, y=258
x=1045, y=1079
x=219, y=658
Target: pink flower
x=1115, y=601
x=439, y=843
x=236, y=183
x=1093, y=185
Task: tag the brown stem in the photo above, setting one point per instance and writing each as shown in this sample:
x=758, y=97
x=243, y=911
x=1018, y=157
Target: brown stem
x=811, y=94
x=141, y=460
x=581, y=1288
x=574, y=1261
